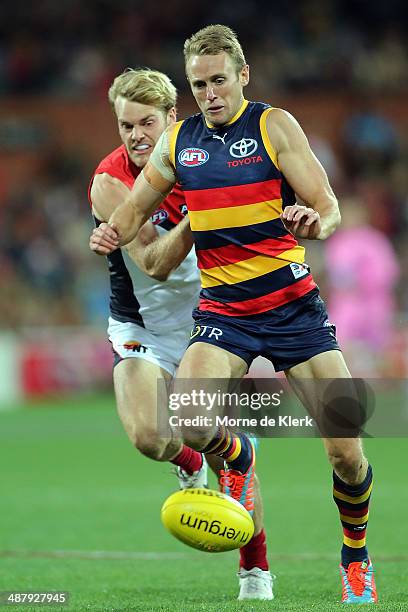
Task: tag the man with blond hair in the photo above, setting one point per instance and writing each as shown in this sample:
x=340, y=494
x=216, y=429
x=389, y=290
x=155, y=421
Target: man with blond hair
x=149, y=320
x=154, y=288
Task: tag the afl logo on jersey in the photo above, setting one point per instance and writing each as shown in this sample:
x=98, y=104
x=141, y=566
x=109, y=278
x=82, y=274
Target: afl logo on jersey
x=193, y=157
x=243, y=147
x=159, y=216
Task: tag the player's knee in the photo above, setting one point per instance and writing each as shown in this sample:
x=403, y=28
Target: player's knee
x=150, y=445
x=346, y=463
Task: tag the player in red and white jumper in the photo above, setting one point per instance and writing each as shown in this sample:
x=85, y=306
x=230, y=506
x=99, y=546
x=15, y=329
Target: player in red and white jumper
x=154, y=288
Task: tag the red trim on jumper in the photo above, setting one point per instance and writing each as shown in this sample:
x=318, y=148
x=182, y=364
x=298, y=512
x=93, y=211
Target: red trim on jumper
x=354, y=535
x=240, y=195
x=354, y=513
x=232, y=253
x=262, y=303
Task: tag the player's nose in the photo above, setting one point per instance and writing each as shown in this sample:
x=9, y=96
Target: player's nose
x=210, y=93
x=137, y=132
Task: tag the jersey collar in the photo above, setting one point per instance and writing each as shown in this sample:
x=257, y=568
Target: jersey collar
x=234, y=118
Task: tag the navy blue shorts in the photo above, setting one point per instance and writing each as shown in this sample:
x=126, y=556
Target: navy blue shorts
x=287, y=335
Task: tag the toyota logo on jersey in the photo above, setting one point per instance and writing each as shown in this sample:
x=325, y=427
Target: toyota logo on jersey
x=243, y=147
x=193, y=157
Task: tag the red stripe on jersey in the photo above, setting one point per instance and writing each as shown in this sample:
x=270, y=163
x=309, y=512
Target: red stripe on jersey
x=232, y=253
x=354, y=535
x=353, y=513
x=223, y=197
x=262, y=303
x=119, y=165
x=174, y=203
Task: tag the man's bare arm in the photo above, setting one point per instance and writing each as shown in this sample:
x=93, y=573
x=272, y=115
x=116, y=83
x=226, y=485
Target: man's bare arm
x=320, y=216
x=107, y=193
x=159, y=257
x=152, y=185
x=155, y=256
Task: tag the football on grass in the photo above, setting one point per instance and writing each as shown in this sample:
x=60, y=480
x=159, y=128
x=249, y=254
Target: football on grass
x=207, y=520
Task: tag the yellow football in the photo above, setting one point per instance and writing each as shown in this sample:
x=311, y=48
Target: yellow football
x=207, y=520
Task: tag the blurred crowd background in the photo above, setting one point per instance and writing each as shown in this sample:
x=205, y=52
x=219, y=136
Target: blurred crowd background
x=73, y=48
x=339, y=66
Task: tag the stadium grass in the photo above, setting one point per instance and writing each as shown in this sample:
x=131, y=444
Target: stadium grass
x=80, y=509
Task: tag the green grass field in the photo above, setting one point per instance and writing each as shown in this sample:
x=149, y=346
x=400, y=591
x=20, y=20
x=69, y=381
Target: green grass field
x=80, y=512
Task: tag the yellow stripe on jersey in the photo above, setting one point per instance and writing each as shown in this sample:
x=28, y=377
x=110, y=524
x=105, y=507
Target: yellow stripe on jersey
x=354, y=543
x=240, y=271
x=265, y=137
x=234, y=118
x=353, y=500
x=354, y=520
x=294, y=255
x=237, y=450
x=239, y=113
x=172, y=142
x=234, y=216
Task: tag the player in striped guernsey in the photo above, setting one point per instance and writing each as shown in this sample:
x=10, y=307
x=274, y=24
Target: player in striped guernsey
x=154, y=287
x=241, y=165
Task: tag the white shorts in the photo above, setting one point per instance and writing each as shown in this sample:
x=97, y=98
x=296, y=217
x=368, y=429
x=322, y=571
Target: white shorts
x=165, y=349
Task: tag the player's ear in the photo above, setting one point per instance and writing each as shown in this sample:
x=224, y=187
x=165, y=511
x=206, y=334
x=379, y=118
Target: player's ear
x=244, y=75
x=171, y=115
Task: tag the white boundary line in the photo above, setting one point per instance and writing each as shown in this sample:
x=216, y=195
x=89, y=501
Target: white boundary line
x=162, y=556
x=96, y=554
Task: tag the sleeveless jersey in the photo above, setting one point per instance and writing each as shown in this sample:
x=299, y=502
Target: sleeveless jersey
x=235, y=193
x=136, y=297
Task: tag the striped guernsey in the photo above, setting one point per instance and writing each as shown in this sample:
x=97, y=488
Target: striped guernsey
x=235, y=193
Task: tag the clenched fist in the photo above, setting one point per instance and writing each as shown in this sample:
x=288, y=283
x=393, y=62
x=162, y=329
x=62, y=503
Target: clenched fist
x=301, y=221
x=104, y=239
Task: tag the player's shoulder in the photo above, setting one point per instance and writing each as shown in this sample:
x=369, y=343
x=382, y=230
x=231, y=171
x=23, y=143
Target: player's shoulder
x=117, y=165
x=170, y=133
x=280, y=117
x=190, y=120
x=180, y=128
x=106, y=192
x=112, y=175
x=104, y=180
x=173, y=129
x=117, y=157
x=282, y=128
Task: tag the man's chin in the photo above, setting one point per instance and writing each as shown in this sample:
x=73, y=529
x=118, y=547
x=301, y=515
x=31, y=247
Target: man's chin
x=139, y=160
x=217, y=120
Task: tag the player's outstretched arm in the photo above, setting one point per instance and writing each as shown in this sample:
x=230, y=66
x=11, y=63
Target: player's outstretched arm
x=159, y=256
x=320, y=215
x=107, y=192
x=128, y=218
x=108, y=195
x=152, y=185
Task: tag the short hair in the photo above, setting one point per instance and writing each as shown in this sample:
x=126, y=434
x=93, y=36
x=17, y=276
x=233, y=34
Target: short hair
x=145, y=86
x=215, y=39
